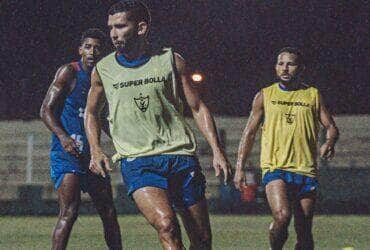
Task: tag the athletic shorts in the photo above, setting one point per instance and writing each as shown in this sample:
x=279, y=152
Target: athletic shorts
x=61, y=164
x=298, y=184
x=180, y=175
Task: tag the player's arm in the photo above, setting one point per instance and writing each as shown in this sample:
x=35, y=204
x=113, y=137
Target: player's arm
x=57, y=92
x=95, y=103
x=103, y=118
x=332, y=133
x=203, y=119
x=247, y=140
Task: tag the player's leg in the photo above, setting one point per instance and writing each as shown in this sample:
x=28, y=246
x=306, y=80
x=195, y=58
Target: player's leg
x=100, y=191
x=69, y=201
x=303, y=215
x=197, y=225
x=153, y=203
x=277, y=197
x=187, y=191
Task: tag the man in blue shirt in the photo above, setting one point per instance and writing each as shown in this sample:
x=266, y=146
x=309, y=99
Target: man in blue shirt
x=62, y=112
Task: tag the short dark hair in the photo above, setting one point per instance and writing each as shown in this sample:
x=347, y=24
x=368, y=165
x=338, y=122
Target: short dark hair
x=292, y=50
x=138, y=10
x=94, y=33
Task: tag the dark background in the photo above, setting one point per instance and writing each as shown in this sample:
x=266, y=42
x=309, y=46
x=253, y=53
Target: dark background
x=232, y=42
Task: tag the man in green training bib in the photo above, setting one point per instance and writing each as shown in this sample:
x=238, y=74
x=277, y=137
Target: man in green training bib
x=154, y=144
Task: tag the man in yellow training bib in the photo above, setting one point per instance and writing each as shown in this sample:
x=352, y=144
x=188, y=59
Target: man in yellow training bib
x=291, y=112
x=153, y=142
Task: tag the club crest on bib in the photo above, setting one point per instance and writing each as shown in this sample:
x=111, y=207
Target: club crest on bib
x=142, y=102
x=289, y=118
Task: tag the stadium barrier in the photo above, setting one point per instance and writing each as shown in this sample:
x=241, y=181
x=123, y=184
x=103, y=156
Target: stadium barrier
x=341, y=191
x=25, y=185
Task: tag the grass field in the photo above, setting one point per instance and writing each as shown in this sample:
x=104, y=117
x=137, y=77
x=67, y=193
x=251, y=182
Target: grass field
x=229, y=232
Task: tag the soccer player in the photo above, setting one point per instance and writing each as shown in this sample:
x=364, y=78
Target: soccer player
x=291, y=112
x=154, y=144
x=62, y=112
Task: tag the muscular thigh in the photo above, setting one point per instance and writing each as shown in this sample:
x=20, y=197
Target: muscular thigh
x=277, y=197
x=153, y=202
x=69, y=190
x=99, y=189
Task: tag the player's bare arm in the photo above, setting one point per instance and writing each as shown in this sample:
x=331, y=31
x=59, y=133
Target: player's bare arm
x=332, y=133
x=95, y=103
x=247, y=140
x=57, y=92
x=203, y=119
x=103, y=118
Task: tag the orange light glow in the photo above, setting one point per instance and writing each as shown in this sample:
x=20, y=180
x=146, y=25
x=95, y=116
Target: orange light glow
x=197, y=77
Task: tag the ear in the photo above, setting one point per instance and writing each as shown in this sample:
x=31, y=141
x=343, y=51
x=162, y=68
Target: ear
x=143, y=28
x=302, y=69
x=80, y=50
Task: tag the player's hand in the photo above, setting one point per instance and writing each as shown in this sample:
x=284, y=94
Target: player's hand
x=69, y=145
x=99, y=164
x=221, y=163
x=327, y=151
x=239, y=179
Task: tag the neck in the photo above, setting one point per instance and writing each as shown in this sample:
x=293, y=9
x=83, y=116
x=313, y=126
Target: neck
x=85, y=67
x=138, y=51
x=289, y=85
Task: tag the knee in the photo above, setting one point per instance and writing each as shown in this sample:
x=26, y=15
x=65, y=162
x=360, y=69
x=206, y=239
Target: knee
x=166, y=226
x=307, y=217
x=303, y=228
x=282, y=217
x=109, y=213
x=69, y=214
x=204, y=241
x=303, y=222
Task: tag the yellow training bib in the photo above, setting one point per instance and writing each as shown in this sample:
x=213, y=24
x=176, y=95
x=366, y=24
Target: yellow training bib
x=145, y=110
x=289, y=132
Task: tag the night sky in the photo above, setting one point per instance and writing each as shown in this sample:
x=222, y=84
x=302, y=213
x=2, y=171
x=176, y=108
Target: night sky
x=232, y=42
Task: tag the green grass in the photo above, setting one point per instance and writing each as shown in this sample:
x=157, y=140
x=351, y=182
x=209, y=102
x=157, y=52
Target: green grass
x=229, y=232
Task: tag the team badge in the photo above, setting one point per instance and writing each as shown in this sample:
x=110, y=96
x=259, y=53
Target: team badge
x=142, y=102
x=289, y=118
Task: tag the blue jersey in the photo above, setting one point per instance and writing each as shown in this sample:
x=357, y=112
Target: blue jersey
x=71, y=116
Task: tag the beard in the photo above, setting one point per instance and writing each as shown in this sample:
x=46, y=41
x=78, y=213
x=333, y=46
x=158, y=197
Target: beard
x=290, y=78
x=120, y=47
x=286, y=80
x=126, y=46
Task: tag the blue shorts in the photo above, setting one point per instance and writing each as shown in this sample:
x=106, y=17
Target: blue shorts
x=61, y=164
x=298, y=184
x=180, y=175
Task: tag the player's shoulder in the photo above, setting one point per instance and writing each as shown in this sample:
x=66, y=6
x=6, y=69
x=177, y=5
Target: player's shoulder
x=68, y=67
x=175, y=57
x=269, y=86
x=67, y=70
x=167, y=54
x=310, y=87
x=107, y=59
x=162, y=51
